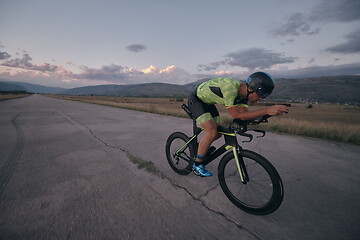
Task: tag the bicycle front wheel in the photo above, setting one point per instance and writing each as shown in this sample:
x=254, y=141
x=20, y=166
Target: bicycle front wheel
x=180, y=153
x=262, y=194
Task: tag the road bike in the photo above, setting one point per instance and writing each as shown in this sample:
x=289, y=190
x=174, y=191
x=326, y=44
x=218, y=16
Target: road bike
x=248, y=179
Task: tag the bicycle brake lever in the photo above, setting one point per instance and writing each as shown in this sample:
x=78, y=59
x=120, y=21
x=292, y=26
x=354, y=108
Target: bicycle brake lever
x=246, y=135
x=259, y=131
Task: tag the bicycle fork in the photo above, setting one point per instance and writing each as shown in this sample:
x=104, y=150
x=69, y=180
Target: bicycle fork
x=231, y=143
x=240, y=165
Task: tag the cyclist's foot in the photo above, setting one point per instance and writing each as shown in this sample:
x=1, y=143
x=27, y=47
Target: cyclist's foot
x=201, y=171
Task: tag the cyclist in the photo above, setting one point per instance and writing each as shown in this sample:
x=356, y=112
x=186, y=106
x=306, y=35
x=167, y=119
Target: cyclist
x=235, y=95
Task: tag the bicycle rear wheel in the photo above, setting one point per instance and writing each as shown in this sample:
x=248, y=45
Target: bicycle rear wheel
x=262, y=194
x=179, y=154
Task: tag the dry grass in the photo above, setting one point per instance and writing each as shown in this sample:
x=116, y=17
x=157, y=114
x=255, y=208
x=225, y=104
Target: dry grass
x=11, y=96
x=164, y=106
x=332, y=122
x=321, y=129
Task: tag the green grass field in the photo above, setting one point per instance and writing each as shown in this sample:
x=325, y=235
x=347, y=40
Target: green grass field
x=331, y=122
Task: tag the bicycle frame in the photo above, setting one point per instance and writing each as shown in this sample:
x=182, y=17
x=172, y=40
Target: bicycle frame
x=230, y=143
x=265, y=185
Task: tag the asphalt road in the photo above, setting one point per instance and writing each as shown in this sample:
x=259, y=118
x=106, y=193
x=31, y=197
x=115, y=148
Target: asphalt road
x=68, y=171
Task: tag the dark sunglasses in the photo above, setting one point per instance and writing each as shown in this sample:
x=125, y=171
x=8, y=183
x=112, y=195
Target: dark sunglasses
x=262, y=92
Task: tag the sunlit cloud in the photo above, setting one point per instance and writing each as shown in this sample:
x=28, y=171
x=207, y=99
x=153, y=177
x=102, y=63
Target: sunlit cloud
x=168, y=69
x=22, y=67
x=170, y=74
x=151, y=69
x=222, y=73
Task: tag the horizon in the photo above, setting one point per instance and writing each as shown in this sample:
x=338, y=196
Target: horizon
x=290, y=78
x=75, y=44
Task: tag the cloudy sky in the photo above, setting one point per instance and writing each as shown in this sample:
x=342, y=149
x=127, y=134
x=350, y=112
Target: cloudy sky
x=72, y=43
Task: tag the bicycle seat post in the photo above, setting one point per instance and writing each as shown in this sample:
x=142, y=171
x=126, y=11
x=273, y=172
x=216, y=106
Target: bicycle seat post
x=196, y=129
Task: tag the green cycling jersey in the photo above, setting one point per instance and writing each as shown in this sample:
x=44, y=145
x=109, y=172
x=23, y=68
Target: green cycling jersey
x=223, y=91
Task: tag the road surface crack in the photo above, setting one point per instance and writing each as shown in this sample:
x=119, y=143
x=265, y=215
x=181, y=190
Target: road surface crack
x=150, y=167
x=7, y=171
x=214, y=211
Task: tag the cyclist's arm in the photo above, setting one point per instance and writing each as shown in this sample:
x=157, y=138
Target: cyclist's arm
x=244, y=114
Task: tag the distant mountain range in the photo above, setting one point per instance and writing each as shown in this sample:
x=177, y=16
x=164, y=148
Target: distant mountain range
x=138, y=90
x=29, y=87
x=341, y=89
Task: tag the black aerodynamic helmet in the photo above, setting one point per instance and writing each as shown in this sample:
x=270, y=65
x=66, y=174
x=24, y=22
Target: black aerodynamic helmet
x=261, y=83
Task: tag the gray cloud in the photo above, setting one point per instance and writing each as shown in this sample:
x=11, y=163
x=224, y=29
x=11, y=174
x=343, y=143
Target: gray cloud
x=24, y=62
x=336, y=11
x=211, y=66
x=351, y=46
x=287, y=41
x=251, y=59
x=110, y=72
x=4, y=55
x=136, y=48
x=45, y=67
x=257, y=58
x=123, y=75
x=319, y=71
x=326, y=11
x=314, y=71
x=295, y=24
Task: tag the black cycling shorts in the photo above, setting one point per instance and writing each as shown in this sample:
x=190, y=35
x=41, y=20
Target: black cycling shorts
x=201, y=111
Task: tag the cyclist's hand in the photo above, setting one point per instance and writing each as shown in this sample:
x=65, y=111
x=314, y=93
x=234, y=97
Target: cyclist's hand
x=277, y=110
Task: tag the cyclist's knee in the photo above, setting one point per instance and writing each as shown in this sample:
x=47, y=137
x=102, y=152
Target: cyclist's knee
x=210, y=128
x=212, y=134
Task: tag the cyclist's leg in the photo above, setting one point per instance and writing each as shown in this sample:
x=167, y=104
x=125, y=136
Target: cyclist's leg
x=210, y=128
x=207, y=116
x=210, y=135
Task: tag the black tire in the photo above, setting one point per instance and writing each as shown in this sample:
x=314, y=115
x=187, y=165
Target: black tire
x=264, y=191
x=181, y=163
